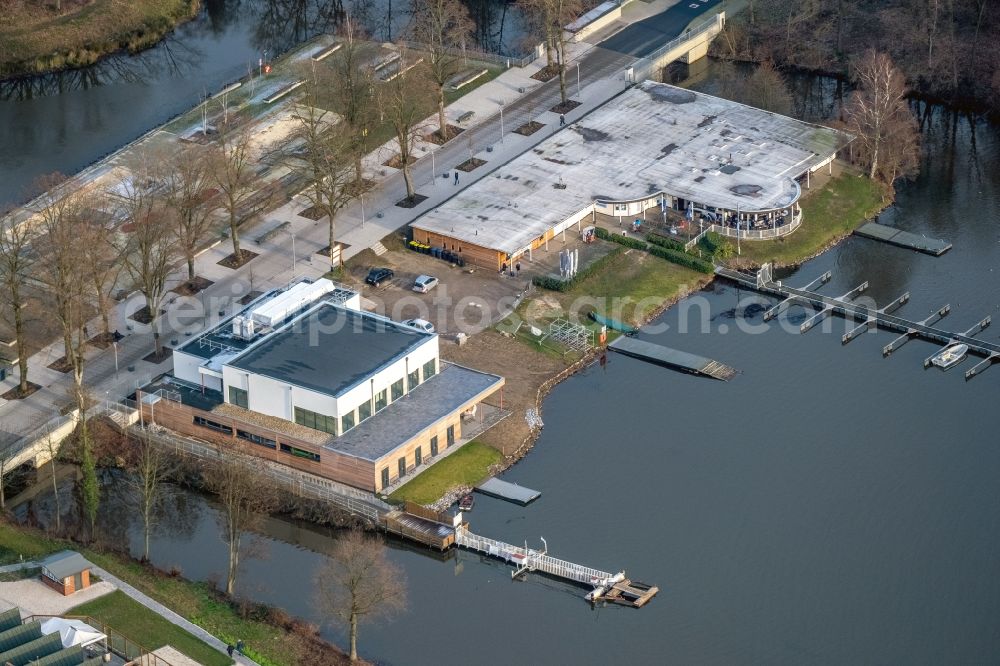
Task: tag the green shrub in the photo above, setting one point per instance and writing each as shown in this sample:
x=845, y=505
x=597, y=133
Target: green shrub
x=663, y=241
x=682, y=259
x=716, y=245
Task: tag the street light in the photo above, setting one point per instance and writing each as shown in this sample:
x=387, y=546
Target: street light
x=292, y=234
x=501, y=121
x=578, y=81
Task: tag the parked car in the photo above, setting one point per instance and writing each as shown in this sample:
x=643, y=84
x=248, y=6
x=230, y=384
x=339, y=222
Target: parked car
x=421, y=324
x=377, y=276
x=424, y=283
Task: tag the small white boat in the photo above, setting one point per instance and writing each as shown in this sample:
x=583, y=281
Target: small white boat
x=950, y=356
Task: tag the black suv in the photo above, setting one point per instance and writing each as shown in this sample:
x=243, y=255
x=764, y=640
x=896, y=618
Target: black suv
x=377, y=276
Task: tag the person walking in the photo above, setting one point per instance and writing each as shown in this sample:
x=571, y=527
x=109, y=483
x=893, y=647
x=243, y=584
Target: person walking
x=239, y=647
x=229, y=649
x=517, y=267
x=562, y=119
x=456, y=177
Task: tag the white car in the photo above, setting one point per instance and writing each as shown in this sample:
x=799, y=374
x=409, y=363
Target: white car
x=420, y=324
x=424, y=283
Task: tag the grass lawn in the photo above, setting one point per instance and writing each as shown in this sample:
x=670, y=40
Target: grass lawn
x=830, y=213
x=138, y=623
x=267, y=644
x=35, y=38
x=465, y=467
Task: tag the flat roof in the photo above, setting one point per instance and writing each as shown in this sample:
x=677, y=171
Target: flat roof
x=330, y=348
x=652, y=138
x=415, y=412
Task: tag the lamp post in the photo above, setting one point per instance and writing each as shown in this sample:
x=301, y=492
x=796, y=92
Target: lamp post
x=292, y=234
x=578, y=80
x=501, y=122
x=115, y=346
x=362, y=200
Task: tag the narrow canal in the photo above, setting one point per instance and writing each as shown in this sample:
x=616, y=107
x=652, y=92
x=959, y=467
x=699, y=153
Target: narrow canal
x=827, y=506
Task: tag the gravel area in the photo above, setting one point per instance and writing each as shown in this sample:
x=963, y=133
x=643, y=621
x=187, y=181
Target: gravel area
x=34, y=598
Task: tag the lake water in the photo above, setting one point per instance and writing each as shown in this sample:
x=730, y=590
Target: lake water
x=827, y=506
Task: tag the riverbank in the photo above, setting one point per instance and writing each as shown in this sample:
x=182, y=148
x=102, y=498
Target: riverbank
x=272, y=637
x=830, y=213
x=35, y=39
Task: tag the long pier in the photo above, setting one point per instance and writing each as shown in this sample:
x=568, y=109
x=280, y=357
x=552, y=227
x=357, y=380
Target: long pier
x=672, y=358
x=900, y=238
x=868, y=317
x=605, y=586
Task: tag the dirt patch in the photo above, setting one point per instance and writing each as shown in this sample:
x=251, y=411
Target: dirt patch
x=546, y=73
x=249, y=297
x=231, y=261
x=15, y=393
x=142, y=315
x=312, y=213
x=156, y=359
x=566, y=107
x=61, y=364
x=101, y=340
x=435, y=136
x=525, y=373
x=359, y=187
x=471, y=164
x=411, y=202
x=396, y=163
x=529, y=128
x=192, y=287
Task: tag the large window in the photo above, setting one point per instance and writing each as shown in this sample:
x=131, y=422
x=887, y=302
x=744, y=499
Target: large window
x=401, y=464
x=347, y=421
x=418, y=456
x=414, y=379
x=385, y=477
x=316, y=421
x=430, y=369
x=451, y=435
x=364, y=410
x=205, y=423
x=381, y=400
x=256, y=439
x=239, y=397
x=397, y=390
x=434, y=446
x=300, y=453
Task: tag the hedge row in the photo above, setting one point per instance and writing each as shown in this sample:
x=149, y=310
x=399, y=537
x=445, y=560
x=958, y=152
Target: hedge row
x=683, y=259
x=627, y=241
x=663, y=241
x=555, y=284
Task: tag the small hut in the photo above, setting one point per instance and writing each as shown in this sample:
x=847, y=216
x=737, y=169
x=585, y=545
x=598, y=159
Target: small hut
x=66, y=572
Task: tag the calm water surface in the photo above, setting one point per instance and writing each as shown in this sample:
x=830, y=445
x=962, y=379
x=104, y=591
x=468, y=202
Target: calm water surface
x=827, y=506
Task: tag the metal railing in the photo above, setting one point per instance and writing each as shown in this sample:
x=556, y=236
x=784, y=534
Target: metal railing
x=642, y=69
x=116, y=642
x=482, y=56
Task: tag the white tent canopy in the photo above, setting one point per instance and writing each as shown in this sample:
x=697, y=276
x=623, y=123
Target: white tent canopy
x=72, y=632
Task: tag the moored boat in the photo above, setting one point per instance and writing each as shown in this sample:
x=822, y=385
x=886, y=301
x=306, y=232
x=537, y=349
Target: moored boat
x=950, y=356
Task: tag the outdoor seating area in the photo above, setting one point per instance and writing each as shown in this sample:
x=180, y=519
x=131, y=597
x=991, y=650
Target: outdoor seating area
x=51, y=641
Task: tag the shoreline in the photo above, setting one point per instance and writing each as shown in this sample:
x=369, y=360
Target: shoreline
x=93, y=51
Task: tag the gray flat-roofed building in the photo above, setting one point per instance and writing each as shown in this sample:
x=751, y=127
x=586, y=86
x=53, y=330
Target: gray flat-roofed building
x=331, y=349
x=654, y=144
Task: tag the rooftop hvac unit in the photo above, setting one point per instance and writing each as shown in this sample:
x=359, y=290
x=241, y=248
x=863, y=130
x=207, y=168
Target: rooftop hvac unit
x=282, y=306
x=243, y=327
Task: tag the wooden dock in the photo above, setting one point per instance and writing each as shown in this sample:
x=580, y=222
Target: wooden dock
x=604, y=586
x=672, y=358
x=508, y=491
x=893, y=236
x=867, y=317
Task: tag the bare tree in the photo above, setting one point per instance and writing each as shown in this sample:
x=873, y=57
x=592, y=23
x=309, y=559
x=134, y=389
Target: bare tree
x=442, y=28
x=234, y=172
x=325, y=162
x=63, y=219
x=403, y=101
x=246, y=496
x=538, y=16
x=359, y=583
x=887, y=140
x=16, y=260
x=100, y=260
x=553, y=16
x=149, y=249
x=188, y=191
x=350, y=84
x=53, y=448
x=150, y=466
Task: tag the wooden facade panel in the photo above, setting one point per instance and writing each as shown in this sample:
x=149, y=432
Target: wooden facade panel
x=472, y=254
